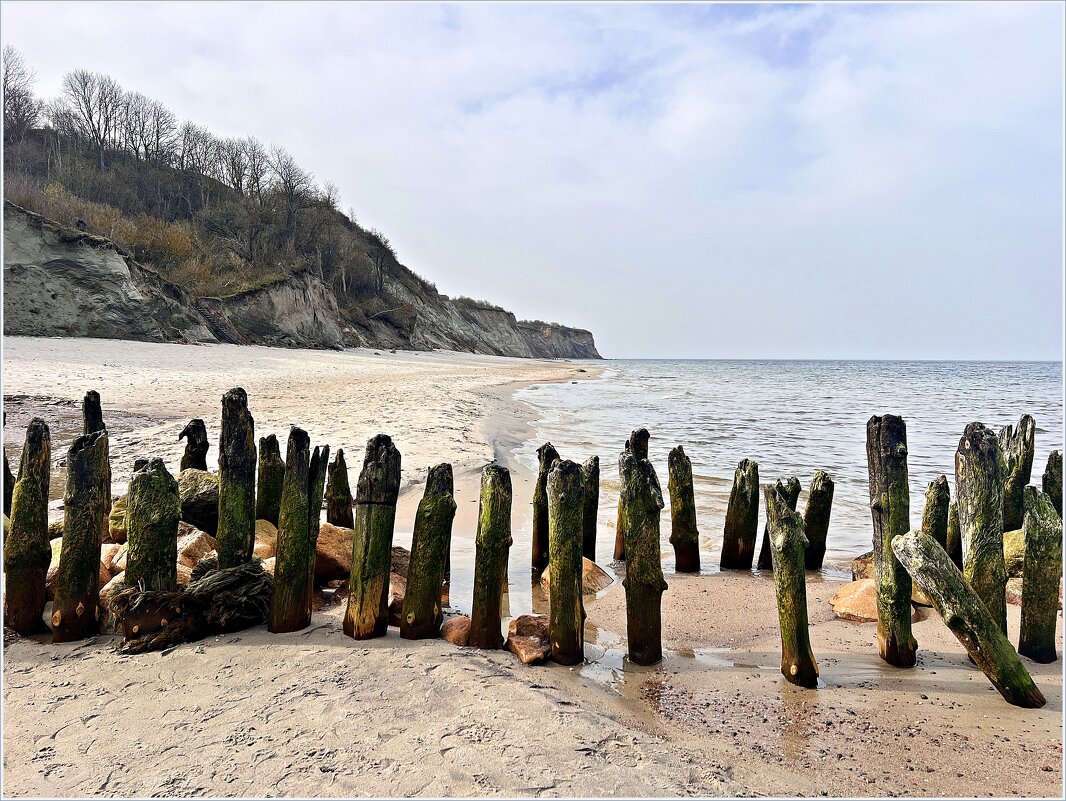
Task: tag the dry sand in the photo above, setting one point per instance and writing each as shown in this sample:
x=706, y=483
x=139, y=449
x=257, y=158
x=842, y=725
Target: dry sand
x=315, y=713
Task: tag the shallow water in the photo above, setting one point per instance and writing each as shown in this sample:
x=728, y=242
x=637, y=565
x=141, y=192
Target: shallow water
x=792, y=417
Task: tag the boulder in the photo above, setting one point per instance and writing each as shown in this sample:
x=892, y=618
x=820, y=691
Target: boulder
x=333, y=552
x=199, y=499
x=268, y=565
x=184, y=575
x=1014, y=552
x=106, y=589
x=862, y=567
x=527, y=638
x=107, y=554
x=397, y=589
x=116, y=521
x=266, y=539
x=1014, y=592
x=56, y=544
x=401, y=557
x=593, y=578
x=456, y=630
x=857, y=602
x=55, y=529
x=193, y=545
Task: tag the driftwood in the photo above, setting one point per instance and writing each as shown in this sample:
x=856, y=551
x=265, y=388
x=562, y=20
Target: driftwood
x=236, y=481
x=1043, y=571
x=270, y=481
x=298, y=522
x=26, y=549
x=816, y=519
x=979, y=489
x=935, y=512
x=1052, y=480
x=339, y=493
x=566, y=615
x=1019, y=448
x=742, y=518
x=376, y=492
x=590, y=480
x=644, y=582
x=890, y=505
x=954, y=535
x=790, y=491
x=546, y=457
x=968, y=618
x=422, y=616
x=490, y=559
x=196, y=445
x=153, y=508
x=683, y=533
x=788, y=544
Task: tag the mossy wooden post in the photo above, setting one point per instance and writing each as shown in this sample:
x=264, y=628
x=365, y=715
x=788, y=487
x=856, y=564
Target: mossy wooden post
x=196, y=445
x=1052, y=480
x=1019, y=448
x=590, y=481
x=270, y=480
x=92, y=415
x=26, y=549
x=236, y=475
x=298, y=521
x=546, y=457
x=490, y=558
x=339, y=493
x=153, y=508
x=968, y=618
x=816, y=519
x=637, y=444
x=979, y=489
x=954, y=535
x=789, y=544
x=566, y=614
x=375, y=515
x=684, y=535
x=9, y=486
x=644, y=583
x=790, y=492
x=935, y=513
x=76, y=612
x=421, y=616
x=890, y=506
x=741, y=518
x=1043, y=571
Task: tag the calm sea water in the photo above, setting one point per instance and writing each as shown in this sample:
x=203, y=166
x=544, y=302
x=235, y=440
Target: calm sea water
x=793, y=418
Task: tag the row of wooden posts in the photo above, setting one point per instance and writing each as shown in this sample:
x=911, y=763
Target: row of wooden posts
x=991, y=478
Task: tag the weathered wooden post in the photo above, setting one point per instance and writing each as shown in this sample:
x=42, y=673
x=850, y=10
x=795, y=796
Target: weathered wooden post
x=890, y=505
x=789, y=544
x=1052, y=480
x=9, y=486
x=236, y=475
x=683, y=533
x=816, y=519
x=339, y=493
x=546, y=457
x=75, y=611
x=566, y=615
x=422, y=617
x=270, y=482
x=1042, y=569
x=490, y=558
x=790, y=490
x=979, y=489
x=196, y=445
x=26, y=549
x=1019, y=448
x=153, y=508
x=92, y=415
x=968, y=618
x=590, y=480
x=935, y=513
x=376, y=491
x=637, y=444
x=742, y=518
x=954, y=546
x=644, y=583
x=301, y=510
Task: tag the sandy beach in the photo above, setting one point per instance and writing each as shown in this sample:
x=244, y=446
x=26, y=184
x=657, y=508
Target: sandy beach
x=316, y=713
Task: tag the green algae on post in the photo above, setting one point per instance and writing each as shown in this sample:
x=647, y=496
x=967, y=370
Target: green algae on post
x=684, y=535
x=1052, y=480
x=742, y=518
x=546, y=457
x=236, y=475
x=644, y=582
x=590, y=480
x=954, y=535
x=422, y=616
x=1019, y=448
x=566, y=614
x=1043, y=572
x=935, y=513
x=816, y=519
x=637, y=444
x=339, y=493
x=490, y=559
x=152, y=512
x=790, y=491
x=196, y=445
x=26, y=549
x=270, y=480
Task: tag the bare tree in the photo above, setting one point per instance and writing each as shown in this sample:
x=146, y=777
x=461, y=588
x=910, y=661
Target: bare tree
x=22, y=110
x=96, y=101
x=255, y=156
x=162, y=133
x=135, y=124
x=293, y=185
x=234, y=161
x=381, y=254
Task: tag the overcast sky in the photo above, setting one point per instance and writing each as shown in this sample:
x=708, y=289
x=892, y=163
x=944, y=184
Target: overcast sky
x=686, y=181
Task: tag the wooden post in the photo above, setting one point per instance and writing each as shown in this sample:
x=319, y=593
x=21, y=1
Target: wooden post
x=935, y=512
x=790, y=492
x=954, y=546
x=816, y=519
x=375, y=515
x=1019, y=448
x=742, y=518
x=196, y=445
x=890, y=506
x=153, y=508
x=590, y=480
x=1042, y=568
x=979, y=489
x=566, y=614
x=26, y=549
x=298, y=521
x=270, y=482
x=236, y=475
x=9, y=486
x=789, y=544
x=490, y=558
x=421, y=617
x=339, y=494
x=637, y=444
x=1052, y=481
x=683, y=533
x=644, y=582
x=546, y=457
x=968, y=618
x=75, y=611
x=92, y=415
